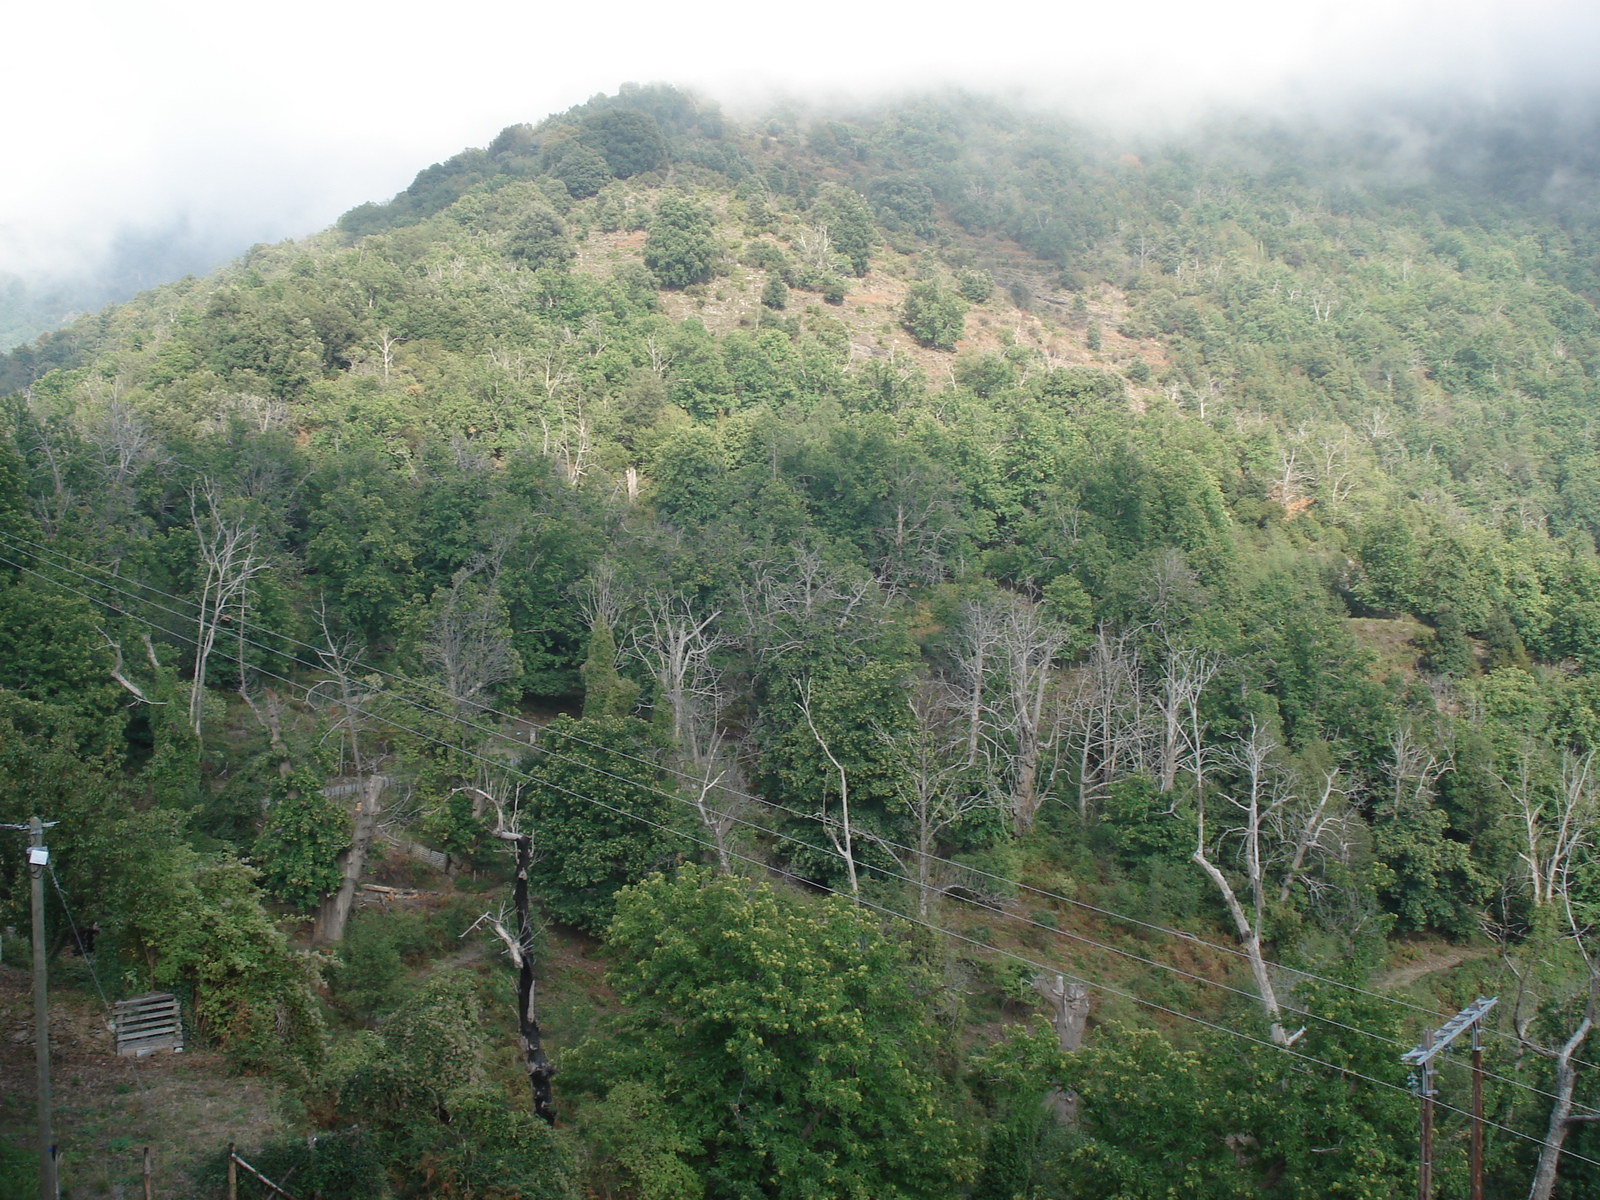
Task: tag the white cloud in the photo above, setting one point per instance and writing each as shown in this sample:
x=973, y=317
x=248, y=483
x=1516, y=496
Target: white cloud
x=264, y=120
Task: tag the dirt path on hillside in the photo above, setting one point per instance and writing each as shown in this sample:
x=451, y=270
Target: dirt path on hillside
x=1429, y=964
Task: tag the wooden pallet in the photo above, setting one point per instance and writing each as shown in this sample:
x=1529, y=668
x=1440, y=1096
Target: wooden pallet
x=147, y=1023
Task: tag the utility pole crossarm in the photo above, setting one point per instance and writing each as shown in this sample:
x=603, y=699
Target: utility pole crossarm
x=1464, y=1020
x=1434, y=1042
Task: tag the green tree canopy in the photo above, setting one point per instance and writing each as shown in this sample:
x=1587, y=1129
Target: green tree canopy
x=422, y=1090
x=934, y=316
x=541, y=240
x=629, y=140
x=788, y=1039
x=299, y=844
x=680, y=248
x=844, y=215
x=582, y=168
x=601, y=814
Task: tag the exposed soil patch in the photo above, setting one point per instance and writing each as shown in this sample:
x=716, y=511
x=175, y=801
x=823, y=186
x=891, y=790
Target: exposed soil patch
x=1429, y=964
x=1047, y=321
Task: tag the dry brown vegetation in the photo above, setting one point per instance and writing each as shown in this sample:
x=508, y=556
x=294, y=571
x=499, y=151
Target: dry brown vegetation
x=1044, y=320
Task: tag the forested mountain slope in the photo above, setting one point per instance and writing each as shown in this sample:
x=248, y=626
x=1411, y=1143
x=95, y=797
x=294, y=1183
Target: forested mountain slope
x=941, y=506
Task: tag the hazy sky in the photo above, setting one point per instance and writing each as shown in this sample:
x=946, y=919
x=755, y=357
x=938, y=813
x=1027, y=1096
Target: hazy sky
x=252, y=121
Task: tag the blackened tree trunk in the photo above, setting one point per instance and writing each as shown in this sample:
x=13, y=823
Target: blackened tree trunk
x=533, y=1056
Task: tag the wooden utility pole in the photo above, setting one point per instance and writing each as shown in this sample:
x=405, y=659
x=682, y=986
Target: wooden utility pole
x=38, y=859
x=145, y=1175
x=1477, y=1110
x=1422, y=1058
x=1425, y=1090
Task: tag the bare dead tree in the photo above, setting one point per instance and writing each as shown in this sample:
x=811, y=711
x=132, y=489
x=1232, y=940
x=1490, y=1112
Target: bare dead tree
x=565, y=426
x=1580, y=933
x=565, y=430
x=1264, y=793
x=1566, y=1078
x=554, y=373
x=1106, y=715
x=1314, y=826
x=386, y=344
x=1069, y=1014
x=1030, y=642
x=1523, y=785
x=469, y=643
x=1555, y=823
x=815, y=247
x=345, y=687
x=262, y=413
x=1577, y=809
x=571, y=444
x=1080, y=704
x=720, y=797
x=521, y=946
x=349, y=692
x=1290, y=477
x=660, y=356
x=126, y=445
x=267, y=706
x=676, y=645
x=265, y=478
x=839, y=832
x=1334, y=468
x=601, y=596
x=941, y=790
x=782, y=605
x=1412, y=769
x=916, y=521
x=976, y=646
x=1170, y=590
x=229, y=556
x=1005, y=650
x=122, y=679
x=1069, y=1005
x=51, y=510
x=125, y=442
x=1185, y=672
x=334, y=912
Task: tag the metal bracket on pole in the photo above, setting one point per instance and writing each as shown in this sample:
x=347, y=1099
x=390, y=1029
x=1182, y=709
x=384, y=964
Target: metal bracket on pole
x=1449, y=1032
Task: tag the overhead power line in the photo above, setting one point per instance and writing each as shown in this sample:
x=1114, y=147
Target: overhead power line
x=755, y=826
x=884, y=910
x=115, y=582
